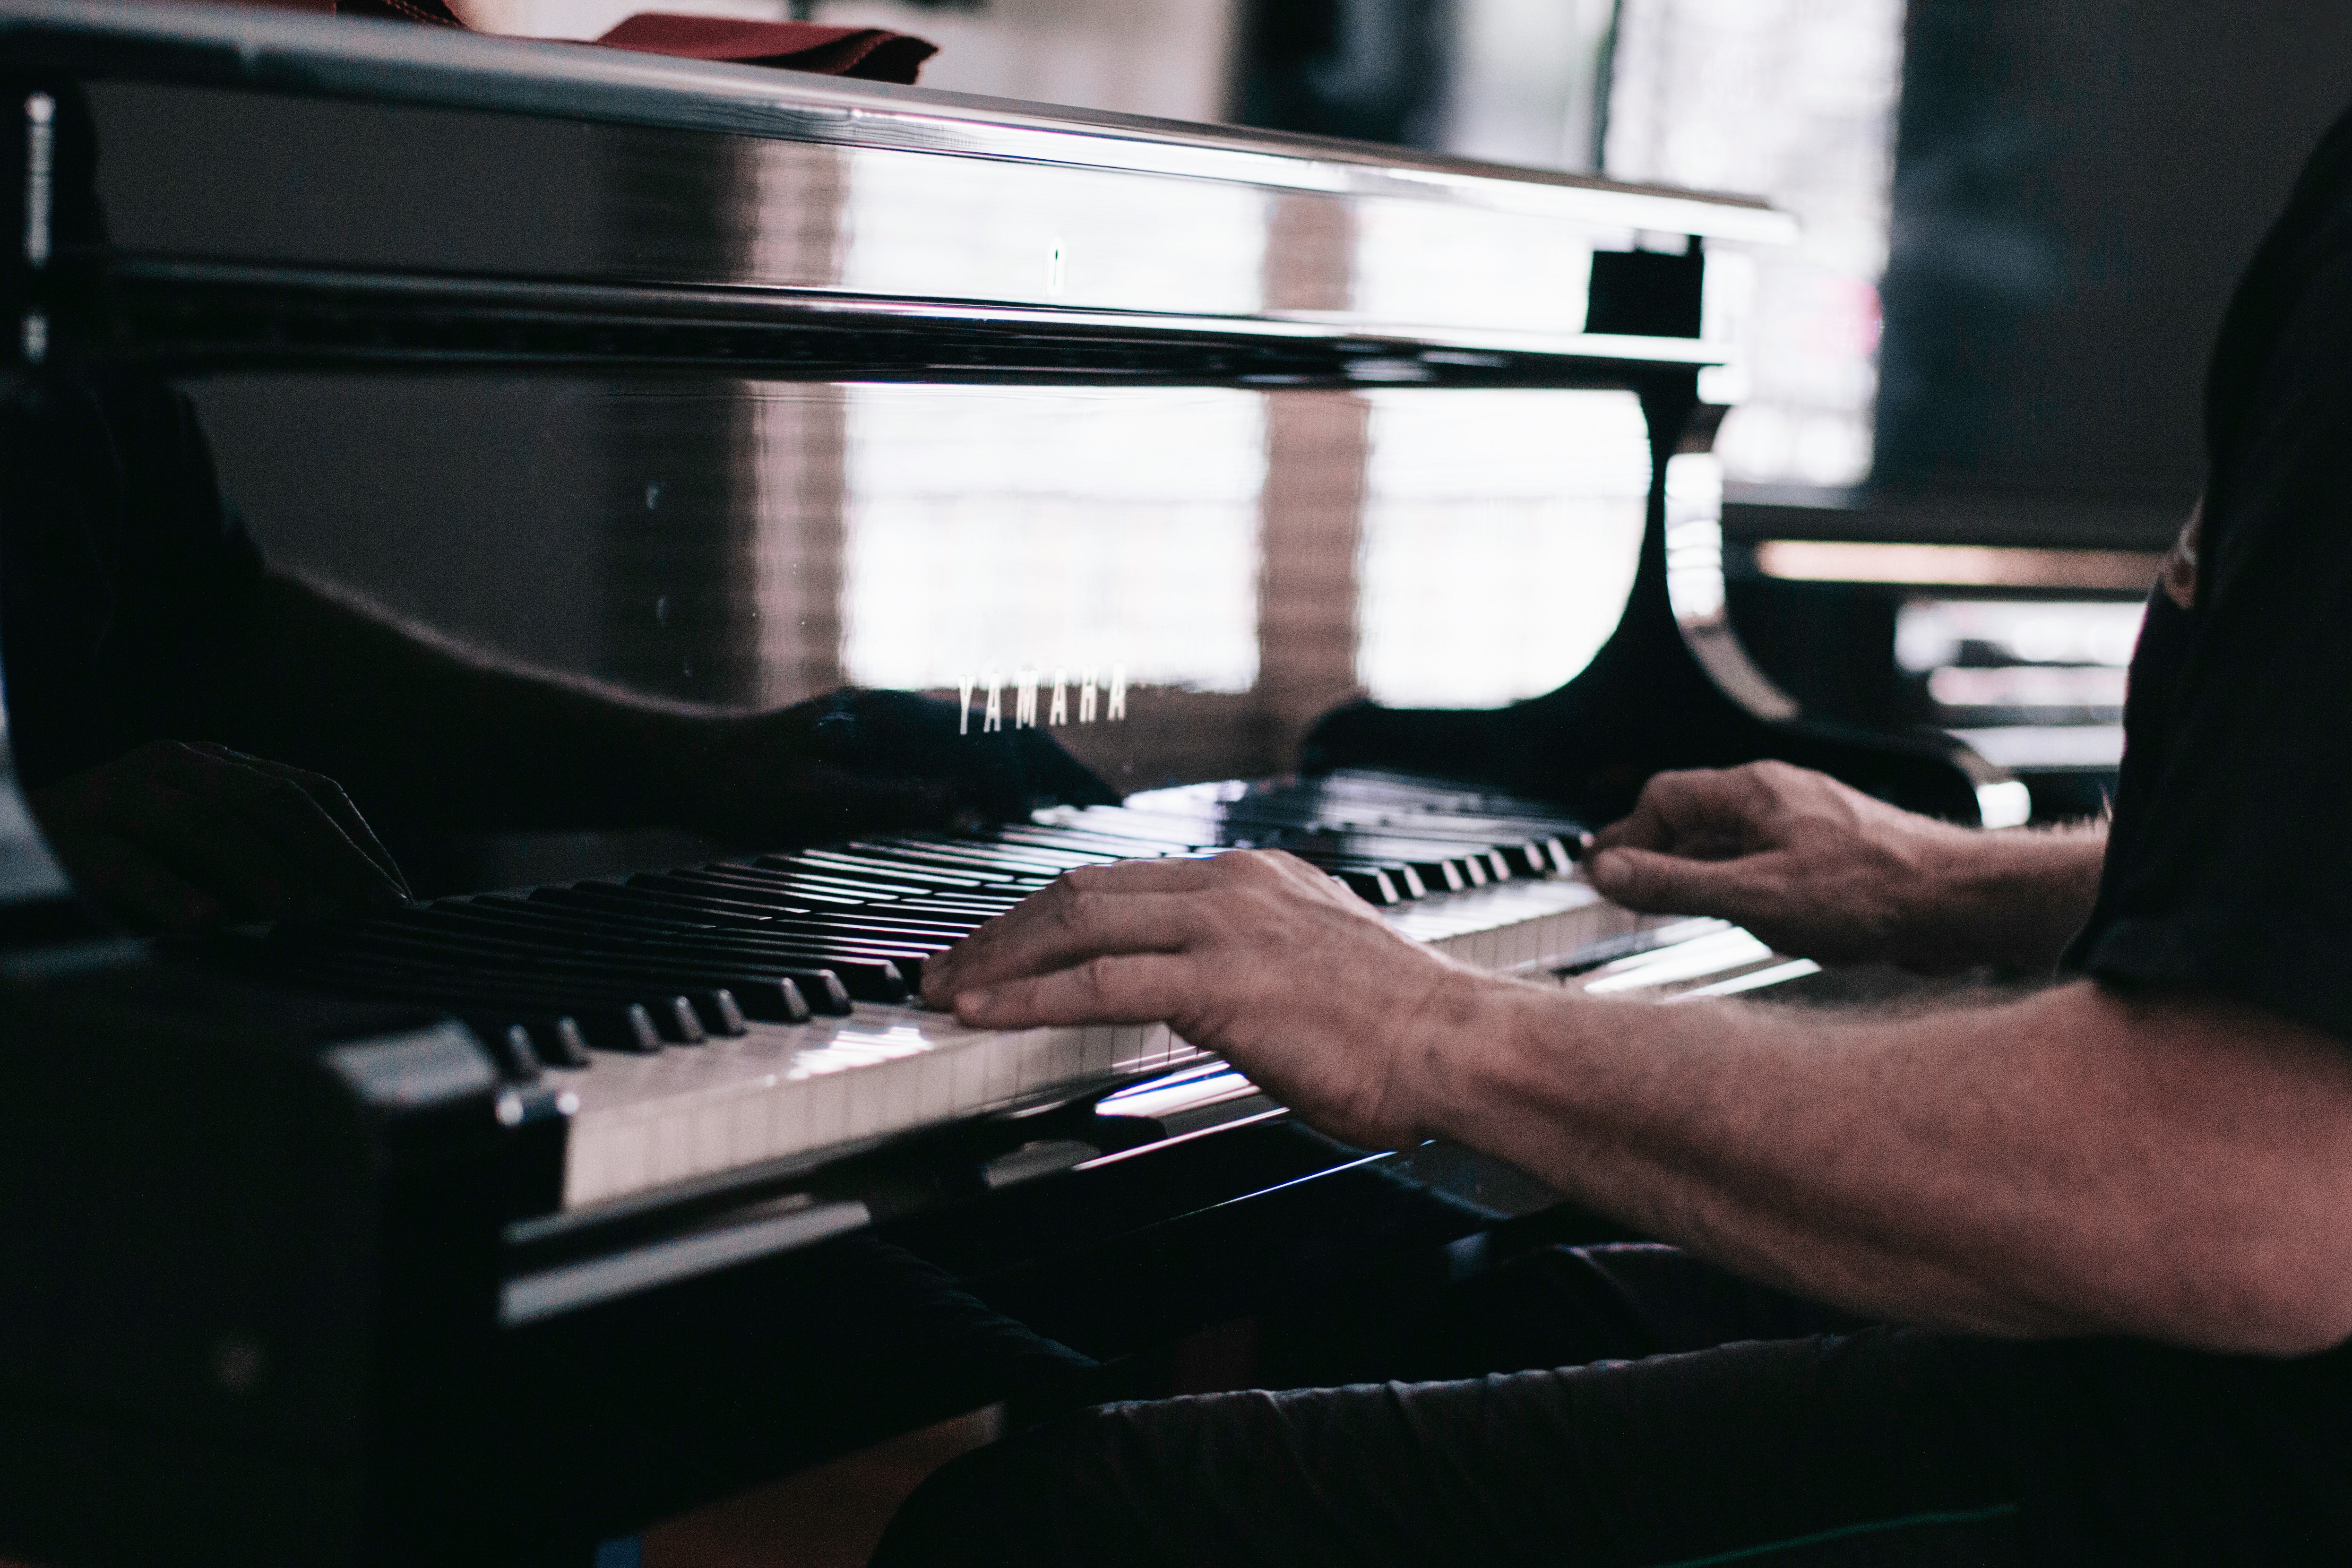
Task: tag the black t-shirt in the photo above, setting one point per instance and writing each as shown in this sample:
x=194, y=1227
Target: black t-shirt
x=2229, y=872
x=2229, y=866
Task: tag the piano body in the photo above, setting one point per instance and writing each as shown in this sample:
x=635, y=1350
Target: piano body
x=621, y=1172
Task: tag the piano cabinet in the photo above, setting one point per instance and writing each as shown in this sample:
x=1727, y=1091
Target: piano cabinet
x=1227, y=487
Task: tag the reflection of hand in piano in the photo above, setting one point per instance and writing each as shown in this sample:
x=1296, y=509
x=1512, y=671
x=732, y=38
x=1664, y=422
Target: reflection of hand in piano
x=181, y=836
x=859, y=761
x=436, y=733
x=1254, y=955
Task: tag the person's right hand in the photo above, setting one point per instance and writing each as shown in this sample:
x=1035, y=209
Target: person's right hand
x=1811, y=865
x=175, y=837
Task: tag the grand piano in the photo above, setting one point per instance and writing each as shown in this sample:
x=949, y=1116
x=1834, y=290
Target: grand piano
x=1192, y=488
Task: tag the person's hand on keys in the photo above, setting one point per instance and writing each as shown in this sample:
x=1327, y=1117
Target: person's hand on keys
x=1811, y=865
x=1254, y=955
x=181, y=836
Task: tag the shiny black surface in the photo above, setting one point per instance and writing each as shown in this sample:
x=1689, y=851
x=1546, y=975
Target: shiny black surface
x=1089, y=456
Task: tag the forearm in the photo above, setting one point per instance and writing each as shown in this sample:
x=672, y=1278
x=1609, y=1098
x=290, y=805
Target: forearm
x=2066, y=1164
x=2012, y=898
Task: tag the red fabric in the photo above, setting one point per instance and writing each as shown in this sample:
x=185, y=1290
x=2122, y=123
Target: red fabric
x=432, y=11
x=872, y=54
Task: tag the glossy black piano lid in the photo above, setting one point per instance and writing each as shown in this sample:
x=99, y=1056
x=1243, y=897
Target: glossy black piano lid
x=1159, y=454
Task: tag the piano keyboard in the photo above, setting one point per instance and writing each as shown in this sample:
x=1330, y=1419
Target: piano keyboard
x=758, y=1014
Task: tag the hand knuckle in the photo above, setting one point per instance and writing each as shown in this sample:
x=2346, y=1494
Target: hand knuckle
x=1095, y=976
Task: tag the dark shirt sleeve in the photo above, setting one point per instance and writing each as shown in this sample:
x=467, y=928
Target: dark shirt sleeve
x=126, y=582
x=2230, y=865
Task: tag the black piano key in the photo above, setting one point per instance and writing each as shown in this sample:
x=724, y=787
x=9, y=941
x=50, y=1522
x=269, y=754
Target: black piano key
x=910, y=912
x=676, y=1019
x=686, y=1013
x=1089, y=847
x=554, y=1039
x=815, y=932
x=874, y=884
x=550, y=1041
x=1369, y=881
x=959, y=905
x=614, y=1027
x=676, y=1016
x=558, y=1041
x=814, y=894
x=701, y=891
x=620, y=903
x=860, y=972
x=905, y=917
x=477, y=950
x=1541, y=855
x=1447, y=874
x=510, y=1046
x=778, y=884
x=754, y=991
x=777, y=896
x=753, y=965
x=1444, y=867
x=1001, y=895
x=971, y=915
x=716, y=905
x=889, y=939
x=1108, y=845
x=903, y=870
x=1120, y=822
x=967, y=853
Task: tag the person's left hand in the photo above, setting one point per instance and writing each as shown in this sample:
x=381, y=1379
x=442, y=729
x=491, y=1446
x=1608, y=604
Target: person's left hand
x=1254, y=955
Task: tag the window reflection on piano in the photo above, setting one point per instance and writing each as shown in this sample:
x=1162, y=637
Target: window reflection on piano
x=1417, y=263
x=1501, y=531
x=1000, y=530
x=1247, y=559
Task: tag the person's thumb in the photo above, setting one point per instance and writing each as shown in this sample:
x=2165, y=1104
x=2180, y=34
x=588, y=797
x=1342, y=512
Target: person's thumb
x=1660, y=884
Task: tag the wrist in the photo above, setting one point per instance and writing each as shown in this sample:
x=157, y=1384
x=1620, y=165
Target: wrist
x=1477, y=1052
x=2008, y=897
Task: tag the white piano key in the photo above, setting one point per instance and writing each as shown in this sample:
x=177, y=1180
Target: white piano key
x=933, y=1093
x=828, y=1106
x=968, y=1073
x=711, y=1146
x=748, y=1122
x=1003, y=1081
x=788, y=1116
